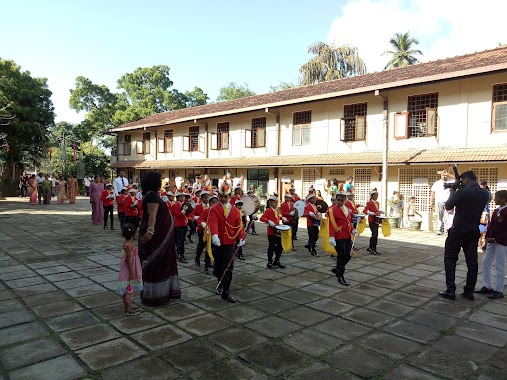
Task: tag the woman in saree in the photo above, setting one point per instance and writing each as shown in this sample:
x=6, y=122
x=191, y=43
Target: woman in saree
x=61, y=191
x=73, y=188
x=95, y=199
x=32, y=189
x=157, y=246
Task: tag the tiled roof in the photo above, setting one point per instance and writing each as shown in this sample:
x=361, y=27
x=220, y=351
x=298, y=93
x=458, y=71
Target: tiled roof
x=448, y=68
x=405, y=157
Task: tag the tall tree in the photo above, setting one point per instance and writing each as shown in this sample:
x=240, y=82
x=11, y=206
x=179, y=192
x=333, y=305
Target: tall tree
x=27, y=100
x=233, y=91
x=403, y=53
x=331, y=62
x=281, y=86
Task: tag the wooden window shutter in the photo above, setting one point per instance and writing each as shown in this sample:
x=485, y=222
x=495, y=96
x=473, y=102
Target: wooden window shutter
x=431, y=121
x=248, y=138
x=186, y=143
x=401, y=125
x=360, y=128
x=214, y=141
x=342, y=129
x=121, y=149
x=161, y=145
x=296, y=135
x=168, y=145
x=225, y=140
x=139, y=146
x=261, y=137
x=147, y=144
x=202, y=144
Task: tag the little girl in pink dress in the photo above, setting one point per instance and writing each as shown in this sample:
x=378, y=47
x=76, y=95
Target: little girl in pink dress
x=130, y=276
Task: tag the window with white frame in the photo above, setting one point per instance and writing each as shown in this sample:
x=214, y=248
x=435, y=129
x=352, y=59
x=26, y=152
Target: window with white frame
x=301, y=124
x=353, y=123
x=256, y=136
x=223, y=136
x=143, y=146
x=193, y=133
x=499, y=117
x=422, y=120
x=167, y=142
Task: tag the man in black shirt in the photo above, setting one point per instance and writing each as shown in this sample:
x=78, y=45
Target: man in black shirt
x=464, y=233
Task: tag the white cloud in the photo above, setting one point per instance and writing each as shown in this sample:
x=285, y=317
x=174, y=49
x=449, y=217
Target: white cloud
x=443, y=28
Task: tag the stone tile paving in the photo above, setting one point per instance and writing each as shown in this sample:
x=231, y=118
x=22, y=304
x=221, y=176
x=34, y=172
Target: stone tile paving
x=60, y=318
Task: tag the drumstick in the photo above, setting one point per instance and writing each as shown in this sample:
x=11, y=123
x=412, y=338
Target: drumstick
x=250, y=223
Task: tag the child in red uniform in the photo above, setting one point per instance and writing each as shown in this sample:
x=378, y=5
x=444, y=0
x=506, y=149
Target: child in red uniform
x=372, y=210
x=179, y=212
x=131, y=210
x=313, y=218
x=107, y=197
x=288, y=213
x=272, y=217
x=340, y=235
x=203, y=223
x=120, y=201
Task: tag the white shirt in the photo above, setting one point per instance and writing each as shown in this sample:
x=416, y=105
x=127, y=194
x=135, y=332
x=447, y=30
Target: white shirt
x=87, y=181
x=39, y=180
x=119, y=183
x=53, y=181
x=441, y=194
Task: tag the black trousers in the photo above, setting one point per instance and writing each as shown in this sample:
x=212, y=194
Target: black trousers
x=374, y=234
x=274, y=247
x=201, y=246
x=466, y=239
x=121, y=216
x=313, y=236
x=223, y=256
x=132, y=220
x=252, y=222
x=180, y=240
x=47, y=197
x=40, y=193
x=343, y=248
x=191, y=227
x=294, y=224
x=108, y=212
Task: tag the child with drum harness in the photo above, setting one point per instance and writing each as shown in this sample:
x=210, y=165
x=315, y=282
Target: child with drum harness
x=313, y=218
x=372, y=209
x=272, y=217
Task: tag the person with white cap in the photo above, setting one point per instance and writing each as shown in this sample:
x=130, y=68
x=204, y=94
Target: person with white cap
x=225, y=226
x=295, y=220
x=288, y=213
x=131, y=210
x=372, y=209
x=201, y=208
x=273, y=218
x=341, y=232
x=313, y=218
x=179, y=213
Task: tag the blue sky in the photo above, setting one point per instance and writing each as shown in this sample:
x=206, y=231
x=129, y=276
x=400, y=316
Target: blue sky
x=209, y=44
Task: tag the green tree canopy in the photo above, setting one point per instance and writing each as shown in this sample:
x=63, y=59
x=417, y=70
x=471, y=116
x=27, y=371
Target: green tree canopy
x=403, y=53
x=331, y=62
x=146, y=91
x=233, y=91
x=27, y=114
x=281, y=86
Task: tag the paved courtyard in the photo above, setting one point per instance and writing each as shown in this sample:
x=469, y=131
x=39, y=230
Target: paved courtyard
x=60, y=317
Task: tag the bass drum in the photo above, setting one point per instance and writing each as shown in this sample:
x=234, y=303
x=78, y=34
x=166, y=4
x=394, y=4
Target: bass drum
x=190, y=206
x=251, y=204
x=322, y=206
x=299, y=206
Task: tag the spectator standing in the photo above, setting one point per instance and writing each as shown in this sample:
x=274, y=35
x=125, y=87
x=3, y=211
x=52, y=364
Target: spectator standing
x=87, y=181
x=349, y=187
x=440, y=195
x=40, y=193
x=119, y=183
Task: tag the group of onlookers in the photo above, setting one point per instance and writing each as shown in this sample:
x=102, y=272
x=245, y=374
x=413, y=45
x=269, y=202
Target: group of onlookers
x=41, y=188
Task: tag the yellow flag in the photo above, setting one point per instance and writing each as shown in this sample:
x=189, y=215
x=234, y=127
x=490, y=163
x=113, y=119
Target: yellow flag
x=361, y=226
x=324, y=234
x=287, y=240
x=208, y=244
x=386, y=228
x=324, y=228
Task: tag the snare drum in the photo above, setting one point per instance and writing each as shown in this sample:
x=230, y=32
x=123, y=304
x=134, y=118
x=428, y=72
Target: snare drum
x=357, y=218
x=282, y=227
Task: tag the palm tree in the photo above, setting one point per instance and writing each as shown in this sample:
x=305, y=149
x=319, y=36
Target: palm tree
x=331, y=62
x=403, y=54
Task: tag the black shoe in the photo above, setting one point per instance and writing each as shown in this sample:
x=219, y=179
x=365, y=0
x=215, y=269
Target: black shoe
x=468, y=295
x=228, y=297
x=182, y=259
x=197, y=262
x=314, y=253
x=219, y=290
x=334, y=270
x=495, y=295
x=447, y=294
x=254, y=233
x=280, y=265
x=484, y=290
x=206, y=271
x=105, y=227
x=241, y=257
x=377, y=252
x=190, y=239
x=269, y=266
x=307, y=247
x=274, y=266
x=355, y=249
x=295, y=237
x=342, y=281
x=112, y=229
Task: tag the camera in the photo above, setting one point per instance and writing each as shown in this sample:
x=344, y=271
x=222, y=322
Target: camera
x=456, y=185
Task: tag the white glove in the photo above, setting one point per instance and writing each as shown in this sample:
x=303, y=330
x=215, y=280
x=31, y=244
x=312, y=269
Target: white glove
x=354, y=232
x=319, y=215
x=332, y=241
x=292, y=213
x=184, y=209
x=241, y=243
x=203, y=225
x=271, y=224
x=215, y=240
x=196, y=217
x=311, y=214
x=254, y=217
x=284, y=219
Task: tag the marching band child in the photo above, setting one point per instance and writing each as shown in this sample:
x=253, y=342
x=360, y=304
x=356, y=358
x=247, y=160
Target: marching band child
x=131, y=210
x=288, y=213
x=372, y=210
x=107, y=197
x=120, y=201
x=179, y=212
x=200, y=209
x=239, y=205
x=313, y=218
x=272, y=217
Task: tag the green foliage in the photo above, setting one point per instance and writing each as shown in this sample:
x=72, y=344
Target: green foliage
x=403, y=54
x=144, y=92
x=27, y=113
x=233, y=91
x=281, y=86
x=331, y=62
